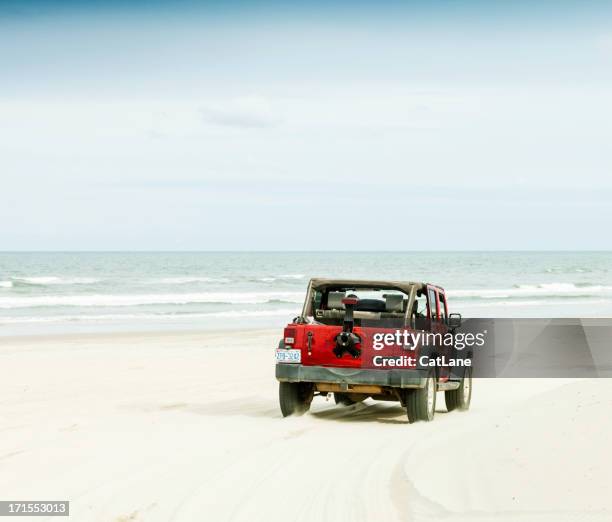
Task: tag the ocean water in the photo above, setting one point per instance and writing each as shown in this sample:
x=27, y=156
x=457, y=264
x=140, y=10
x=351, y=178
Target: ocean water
x=76, y=292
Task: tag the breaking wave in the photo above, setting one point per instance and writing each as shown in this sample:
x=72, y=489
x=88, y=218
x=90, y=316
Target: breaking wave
x=101, y=318
x=190, y=279
x=150, y=299
x=282, y=277
x=52, y=280
x=554, y=290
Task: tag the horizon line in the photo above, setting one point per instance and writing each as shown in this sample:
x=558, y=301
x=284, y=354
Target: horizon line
x=271, y=251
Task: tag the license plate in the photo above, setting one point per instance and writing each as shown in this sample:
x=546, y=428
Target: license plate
x=288, y=356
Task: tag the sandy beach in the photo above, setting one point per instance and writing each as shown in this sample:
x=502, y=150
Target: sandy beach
x=186, y=426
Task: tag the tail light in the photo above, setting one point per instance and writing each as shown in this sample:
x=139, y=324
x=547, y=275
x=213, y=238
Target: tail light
x=289, y=336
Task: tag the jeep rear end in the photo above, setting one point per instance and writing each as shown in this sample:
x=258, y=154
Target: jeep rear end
x=332, y=346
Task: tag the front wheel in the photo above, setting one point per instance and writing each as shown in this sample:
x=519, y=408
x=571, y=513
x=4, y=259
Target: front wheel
x=421, y=403
x=460, y=398
x=295, y=397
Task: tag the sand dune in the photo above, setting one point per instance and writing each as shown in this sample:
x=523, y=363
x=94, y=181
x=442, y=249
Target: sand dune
x=185, y=426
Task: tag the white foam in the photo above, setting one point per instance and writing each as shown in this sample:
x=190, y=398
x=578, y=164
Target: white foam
x=271, y=279
x=44, y=280
x=6, y=284
x=149, y=299
x=538, y=290
x=518, y=303
x=53, y=280
x=91, y=318
x=190, y=279
x=254, y=313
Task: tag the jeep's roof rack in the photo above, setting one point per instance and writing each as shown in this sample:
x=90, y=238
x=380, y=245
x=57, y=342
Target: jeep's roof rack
x=405, y=286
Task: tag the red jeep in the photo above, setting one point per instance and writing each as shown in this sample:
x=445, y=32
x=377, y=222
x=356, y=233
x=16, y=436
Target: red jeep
x=387, y=340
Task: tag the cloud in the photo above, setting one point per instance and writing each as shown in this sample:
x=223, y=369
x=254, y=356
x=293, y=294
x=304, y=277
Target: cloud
x=248, y=112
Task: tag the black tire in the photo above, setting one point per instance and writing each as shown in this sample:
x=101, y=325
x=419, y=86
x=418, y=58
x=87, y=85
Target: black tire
x=460, y=398
x=421, y=403
x=344, y=399
x=295, y=397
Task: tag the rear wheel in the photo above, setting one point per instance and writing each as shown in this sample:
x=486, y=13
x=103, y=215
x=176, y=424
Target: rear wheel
x=295, y=397
x=460, y=398
x=421, y=403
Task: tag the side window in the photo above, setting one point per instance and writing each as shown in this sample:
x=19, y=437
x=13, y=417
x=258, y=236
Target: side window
x=443, y=313
x=316, y=299
x=421, y=303
x=418, y=316
x=432, y=304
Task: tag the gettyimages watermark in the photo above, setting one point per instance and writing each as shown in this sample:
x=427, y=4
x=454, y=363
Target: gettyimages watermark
x=410, y=340
x=498, y=347
x=423, y=349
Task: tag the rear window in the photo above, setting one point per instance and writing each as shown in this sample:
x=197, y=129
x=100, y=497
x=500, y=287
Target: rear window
x=374, y=305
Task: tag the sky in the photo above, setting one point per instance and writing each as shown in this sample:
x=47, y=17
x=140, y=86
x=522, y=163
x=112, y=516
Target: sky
x=317, y=125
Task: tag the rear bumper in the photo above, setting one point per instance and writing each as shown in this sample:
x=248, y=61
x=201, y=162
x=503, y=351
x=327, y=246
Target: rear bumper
x=392, y=378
